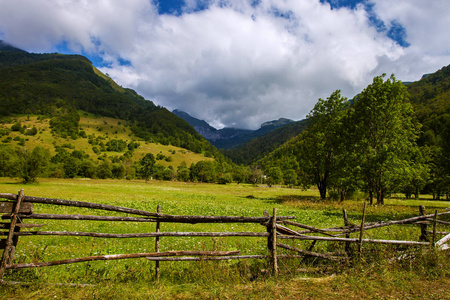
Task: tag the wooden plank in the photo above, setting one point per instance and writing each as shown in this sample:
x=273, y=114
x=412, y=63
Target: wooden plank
x=312, y=229
x=158, y=227
x=308, y=253
x=361, y=232
x=423, y=226
x=141, y=235
x=161, y=217
x=434, y=228
x=83, y=218
x=190, y=258
x=347, y=235
x=172, y=219
x=352, y=240
x=274, y=243
x=122, y=256
x=441, y=244
x=7, y=207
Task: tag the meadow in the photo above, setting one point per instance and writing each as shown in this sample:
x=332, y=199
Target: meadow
x=376, y=276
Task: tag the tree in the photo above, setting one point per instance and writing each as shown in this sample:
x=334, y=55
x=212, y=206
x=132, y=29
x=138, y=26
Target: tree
x=104, y=170
x=32, y=164
x=182, y=173
x=8, y=161
x=290, y=177
x=322, y=141
x=384, y=135
x=146, y=166
x=274, y=176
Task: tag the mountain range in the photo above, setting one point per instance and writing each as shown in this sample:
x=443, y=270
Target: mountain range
x=61, y=86
x=228, y=138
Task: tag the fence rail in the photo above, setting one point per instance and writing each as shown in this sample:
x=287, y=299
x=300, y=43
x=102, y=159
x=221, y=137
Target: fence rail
x=20, y=207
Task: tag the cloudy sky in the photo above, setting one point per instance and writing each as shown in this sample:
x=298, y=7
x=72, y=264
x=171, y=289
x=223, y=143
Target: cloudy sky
x=238, y=63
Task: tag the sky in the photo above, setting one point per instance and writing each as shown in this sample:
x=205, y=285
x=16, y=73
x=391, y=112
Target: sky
x=238, y=63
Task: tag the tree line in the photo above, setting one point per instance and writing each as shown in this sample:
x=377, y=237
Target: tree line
x=368, y=144
x=30, y=164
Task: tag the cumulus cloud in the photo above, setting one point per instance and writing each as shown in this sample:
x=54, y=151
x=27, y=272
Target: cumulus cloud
x=238, y=62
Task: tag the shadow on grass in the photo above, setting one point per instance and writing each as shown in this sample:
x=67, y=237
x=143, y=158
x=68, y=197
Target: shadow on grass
x=301, y=198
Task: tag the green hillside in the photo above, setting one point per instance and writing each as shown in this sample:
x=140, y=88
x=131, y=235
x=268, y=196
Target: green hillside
x=430, y=97
x=57, y=85
x=61, y=117
x=103, y=140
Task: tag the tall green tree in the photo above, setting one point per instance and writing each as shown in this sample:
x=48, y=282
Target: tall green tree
x=32, y=164
x=322, y=141
x=146, y=165
x=384, y=135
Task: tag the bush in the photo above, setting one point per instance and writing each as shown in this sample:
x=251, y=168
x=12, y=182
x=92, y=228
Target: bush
x=16, y=127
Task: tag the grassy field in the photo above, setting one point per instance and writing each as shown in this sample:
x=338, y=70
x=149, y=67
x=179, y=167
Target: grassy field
x=374, y=277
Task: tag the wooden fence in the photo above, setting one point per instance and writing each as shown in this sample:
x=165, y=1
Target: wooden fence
x=20, y=207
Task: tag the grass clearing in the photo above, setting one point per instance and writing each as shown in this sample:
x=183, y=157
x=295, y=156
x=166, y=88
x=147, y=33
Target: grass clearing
x=374, y=277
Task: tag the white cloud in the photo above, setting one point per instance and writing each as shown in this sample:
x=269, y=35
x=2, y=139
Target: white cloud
x=234, y=64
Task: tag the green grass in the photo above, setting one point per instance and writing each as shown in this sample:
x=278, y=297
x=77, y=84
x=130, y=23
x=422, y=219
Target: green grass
x=374, y=277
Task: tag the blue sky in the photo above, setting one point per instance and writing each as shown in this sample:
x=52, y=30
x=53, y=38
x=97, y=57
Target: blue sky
x=238, y=63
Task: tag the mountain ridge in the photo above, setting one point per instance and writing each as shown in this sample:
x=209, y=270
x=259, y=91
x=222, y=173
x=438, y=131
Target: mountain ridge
x=228, y=138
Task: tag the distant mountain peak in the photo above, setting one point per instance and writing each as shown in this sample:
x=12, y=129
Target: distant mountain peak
x=226, y=138
x=277, y=123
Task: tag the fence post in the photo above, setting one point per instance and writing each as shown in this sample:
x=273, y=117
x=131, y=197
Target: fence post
x=274, y=243
x=423, y=226
x=434, y=229
x=347, y=235
x=158, y=225
x=361, y=232
x=8, y=253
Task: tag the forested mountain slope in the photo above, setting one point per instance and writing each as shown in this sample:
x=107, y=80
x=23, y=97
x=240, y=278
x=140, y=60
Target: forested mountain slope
x=57, y=85
x=261, y=146
x=430, y=97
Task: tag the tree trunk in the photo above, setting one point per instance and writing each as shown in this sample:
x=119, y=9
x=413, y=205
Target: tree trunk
x=370, y=197
x=380, y=197
x=322, y=186
x=343, y=194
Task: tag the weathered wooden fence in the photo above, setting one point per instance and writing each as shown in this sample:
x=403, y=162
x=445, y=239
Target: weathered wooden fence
x=20, y=207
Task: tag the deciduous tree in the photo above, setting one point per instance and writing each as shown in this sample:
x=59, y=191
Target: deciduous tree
x=384, y=135
x=146, y=165
x=322, y=141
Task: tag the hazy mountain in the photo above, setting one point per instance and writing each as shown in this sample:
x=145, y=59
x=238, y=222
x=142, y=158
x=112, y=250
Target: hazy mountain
x=227, y=138
x=7, y=47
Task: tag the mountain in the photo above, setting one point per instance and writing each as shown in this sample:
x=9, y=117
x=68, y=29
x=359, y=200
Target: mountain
x=261, y=146
x=7, y=47
x=227, y=138
x=58, y=86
